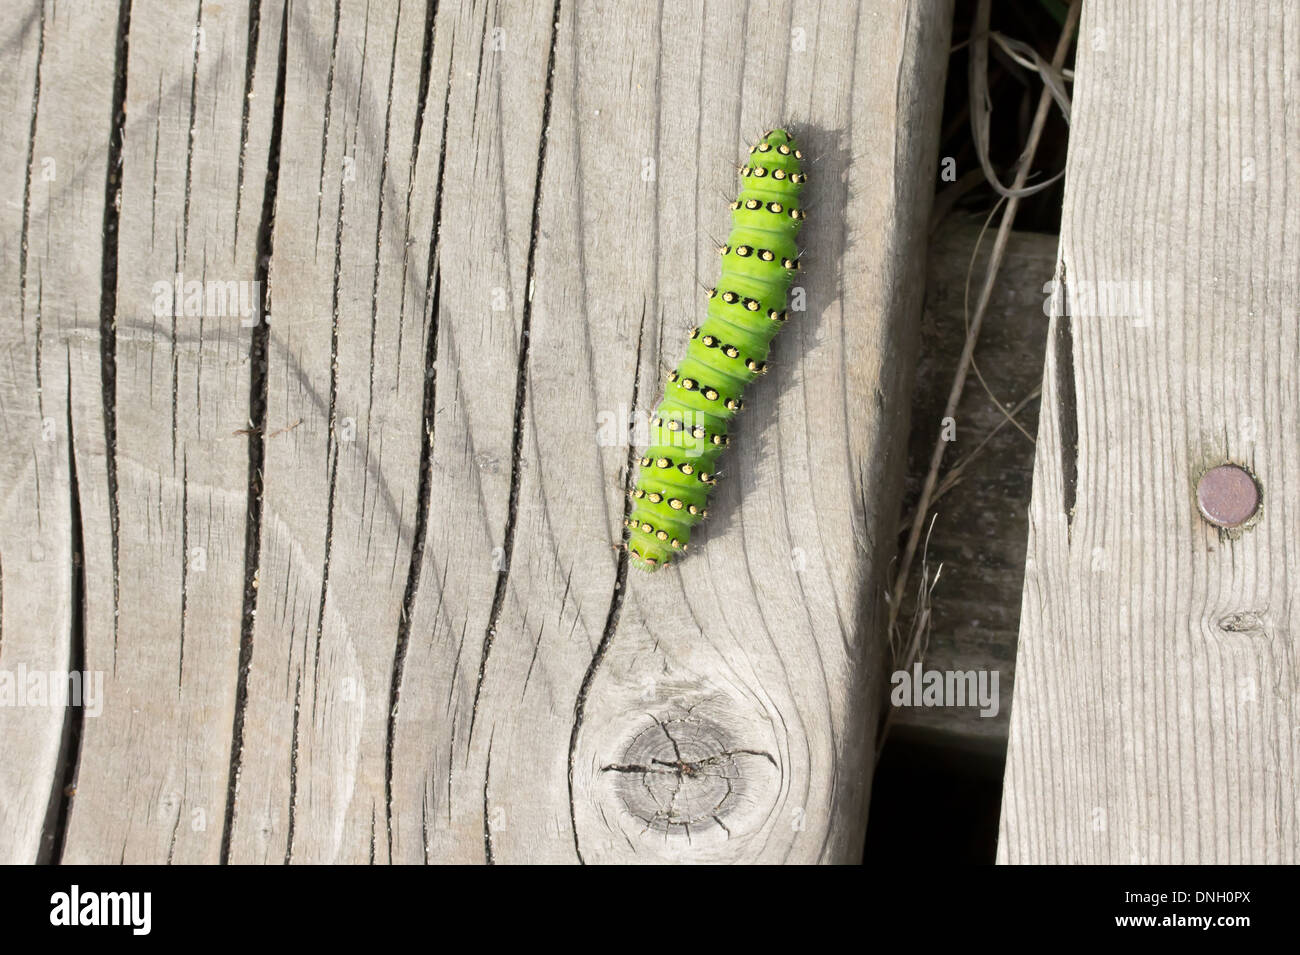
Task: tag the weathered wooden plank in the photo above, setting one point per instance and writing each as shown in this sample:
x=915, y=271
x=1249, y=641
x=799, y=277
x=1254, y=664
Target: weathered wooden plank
x=755, y=671
x=981, y=524
x=38, y=221
x=483, y=228
x=344, y=402
x=1154, y=716
x=482, y=431
x=152, y=777
x=524, y=776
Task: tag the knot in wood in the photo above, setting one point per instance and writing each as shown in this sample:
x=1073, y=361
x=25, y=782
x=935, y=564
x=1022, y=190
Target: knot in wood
x=684, y=775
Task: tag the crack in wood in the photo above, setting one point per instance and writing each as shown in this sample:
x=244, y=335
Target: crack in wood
x=332, y=439
x=250, y=69
x=426, y=69
x=325, y=127
x=189, y=137
x=293, y=771
x=27, y=204
x=433, y=297
x=487, y=825
x=257, y=397
x=615, y=601
x=521, y=379
x=1067, y=410
x=185, y=567
x=59, y=808
x=108, y=292
x=665, y=789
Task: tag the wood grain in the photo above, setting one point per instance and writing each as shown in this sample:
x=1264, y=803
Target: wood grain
x=43, y=289
x=1154, y=717
x=180, y=380
x=343, y=436
x=480, y=233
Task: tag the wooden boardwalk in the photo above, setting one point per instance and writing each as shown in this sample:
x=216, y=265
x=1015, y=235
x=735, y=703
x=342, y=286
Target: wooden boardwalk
x=344, y=559
x=1155, y=710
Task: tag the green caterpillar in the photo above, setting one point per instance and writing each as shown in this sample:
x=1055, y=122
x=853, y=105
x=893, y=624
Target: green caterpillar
x=688, y=431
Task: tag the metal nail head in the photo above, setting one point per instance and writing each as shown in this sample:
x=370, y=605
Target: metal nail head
x=1227, y=495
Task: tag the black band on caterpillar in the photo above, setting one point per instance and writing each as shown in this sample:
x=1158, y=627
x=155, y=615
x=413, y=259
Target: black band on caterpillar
x=727, y=351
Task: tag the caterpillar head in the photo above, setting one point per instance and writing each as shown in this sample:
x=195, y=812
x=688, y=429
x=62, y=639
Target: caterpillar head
x=777, y=143
x=771, y=182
